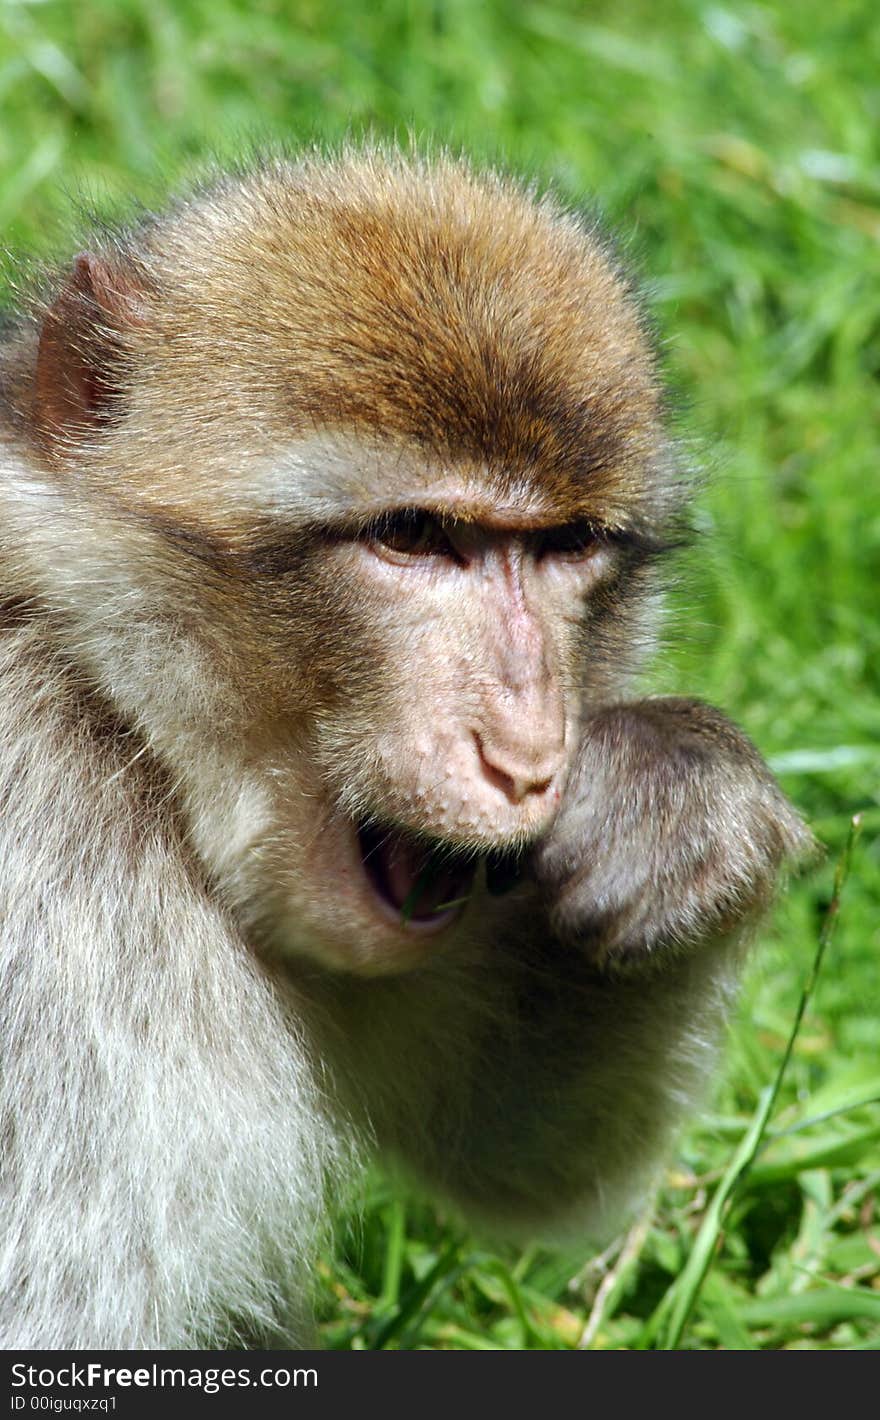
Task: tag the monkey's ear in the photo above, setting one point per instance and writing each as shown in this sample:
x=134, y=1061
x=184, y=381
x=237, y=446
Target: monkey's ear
x=81, y=353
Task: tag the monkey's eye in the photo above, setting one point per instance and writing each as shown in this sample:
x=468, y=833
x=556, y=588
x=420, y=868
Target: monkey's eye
x=410, y=532
x=570, y=540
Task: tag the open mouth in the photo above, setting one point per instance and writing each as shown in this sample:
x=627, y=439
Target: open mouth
x=424, y=885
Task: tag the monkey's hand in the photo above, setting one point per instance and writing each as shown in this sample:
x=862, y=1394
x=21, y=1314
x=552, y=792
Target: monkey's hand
x=671, y=833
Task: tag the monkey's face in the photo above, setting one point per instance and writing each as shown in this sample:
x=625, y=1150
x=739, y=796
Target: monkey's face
x=419, y=669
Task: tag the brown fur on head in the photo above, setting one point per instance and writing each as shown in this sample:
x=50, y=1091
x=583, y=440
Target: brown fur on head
x=248, y=390
x=411, y=302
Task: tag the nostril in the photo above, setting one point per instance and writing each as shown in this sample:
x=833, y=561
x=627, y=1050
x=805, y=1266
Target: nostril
x=516, y=778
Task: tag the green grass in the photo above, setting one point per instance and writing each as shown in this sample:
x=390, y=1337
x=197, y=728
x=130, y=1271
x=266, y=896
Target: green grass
x=735, y=145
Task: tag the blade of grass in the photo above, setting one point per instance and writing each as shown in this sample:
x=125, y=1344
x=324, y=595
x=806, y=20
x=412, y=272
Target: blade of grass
x=614, y=1283
x=394, y=1253
x=671, y=1317
x=415, y=1298
x=423, y=881
x=828, y=1303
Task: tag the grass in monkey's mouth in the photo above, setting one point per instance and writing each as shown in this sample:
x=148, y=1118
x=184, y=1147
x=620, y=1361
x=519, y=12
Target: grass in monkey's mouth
x=421, y=882
x=427, y=883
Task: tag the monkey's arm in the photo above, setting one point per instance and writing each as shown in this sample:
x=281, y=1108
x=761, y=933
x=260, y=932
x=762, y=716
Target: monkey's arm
x=666, y=848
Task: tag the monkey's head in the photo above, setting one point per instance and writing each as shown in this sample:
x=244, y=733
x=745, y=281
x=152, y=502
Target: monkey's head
x=368, y=463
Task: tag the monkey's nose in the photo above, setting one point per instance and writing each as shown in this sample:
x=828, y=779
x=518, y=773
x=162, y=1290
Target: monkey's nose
x=518, y=770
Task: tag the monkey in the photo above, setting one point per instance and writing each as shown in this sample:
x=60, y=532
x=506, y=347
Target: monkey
x=335, y=507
